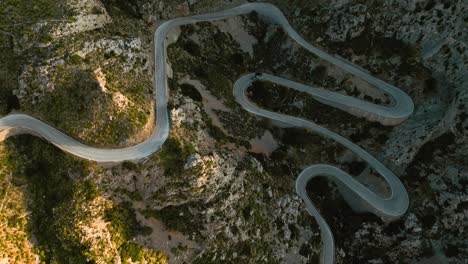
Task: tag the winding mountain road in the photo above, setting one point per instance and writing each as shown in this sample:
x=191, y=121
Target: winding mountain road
x=355, y=193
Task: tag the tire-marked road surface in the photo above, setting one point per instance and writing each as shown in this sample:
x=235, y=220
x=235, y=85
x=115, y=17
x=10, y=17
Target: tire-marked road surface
x=355, y=193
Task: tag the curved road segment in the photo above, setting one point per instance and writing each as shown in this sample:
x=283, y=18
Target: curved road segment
x=355, y=193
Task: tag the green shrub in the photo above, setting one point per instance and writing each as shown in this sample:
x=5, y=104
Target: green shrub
x=174, y=155
x=135, y=196
x=135, y=252
x=123, y=221
x=178, y=218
